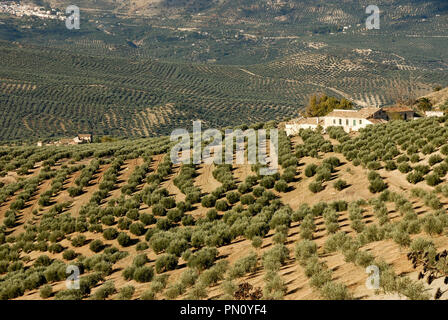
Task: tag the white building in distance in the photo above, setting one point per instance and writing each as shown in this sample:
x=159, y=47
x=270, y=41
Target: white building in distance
x=350, y=120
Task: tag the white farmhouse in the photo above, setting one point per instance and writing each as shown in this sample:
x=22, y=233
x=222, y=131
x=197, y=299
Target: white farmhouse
x=293, y=127
x=434, y=113
x=353, y=120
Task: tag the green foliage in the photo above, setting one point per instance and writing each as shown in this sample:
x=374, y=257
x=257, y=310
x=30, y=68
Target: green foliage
x=321, y=106
x=316, y=186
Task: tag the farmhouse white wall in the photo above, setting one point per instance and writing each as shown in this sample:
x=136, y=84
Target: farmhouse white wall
x=349, y=124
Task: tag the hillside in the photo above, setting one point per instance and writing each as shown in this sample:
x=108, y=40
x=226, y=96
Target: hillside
x=438, y=98
x=47, y=92
x=140, y=227
x=143, y=68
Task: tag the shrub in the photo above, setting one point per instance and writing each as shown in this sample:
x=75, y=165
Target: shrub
x=208, y=201
x=96, y=245
x=404, y=167
x=108, y=220
x=401, y=238
x=373, y=165
x=415, y=158
x=123, y=239
x=221, y=205
x=335, y=291
x=444, y=150
x=373, y=175
x=126, y=293
x=423, y=169
x=143, y=274
x=188, y=220
x=212, y=214
x=166, y=262
x=124, y=223
x=247, y=199
x=203, y=258
x=433, y=179
x=140, y=260
x=110, y=234
x=315, y=186
x=42, y=260
x=107, y=289
x=158, y=210
x=435, y=158
x=274, y=258
x=46, y=291
x=168, y=202
x=257, y=242
x=128, y=272
x=74, y=191
x=340, y=184
x=377, y=185
x=163, y=224
x=69, y=254
x=432, y=225
x=55, y=248
x=233, y=197
x=258, y=191
x=414, y=177
x=137, y=228
x=147, y=219
x=142, y=246
x=281, y=186
x=391, y=165
x=310, y=170
x=304, y=250
x=79, y=241
x=175, y=215
x=267, y=182
x=244, y=188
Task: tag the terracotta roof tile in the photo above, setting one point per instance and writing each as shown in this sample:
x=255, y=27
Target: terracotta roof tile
x=363, y=113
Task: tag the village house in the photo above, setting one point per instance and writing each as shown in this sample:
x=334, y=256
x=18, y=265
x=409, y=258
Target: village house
x=79, y=139
x=83, y=138
x=292, y=127
x=434, y=113
x=399, y=112
x=353, y=120
x=350, y=120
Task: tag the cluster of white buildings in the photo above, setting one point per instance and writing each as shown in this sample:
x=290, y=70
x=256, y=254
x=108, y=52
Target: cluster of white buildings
x=352, y=120
x=79, y=139
x=21, y=10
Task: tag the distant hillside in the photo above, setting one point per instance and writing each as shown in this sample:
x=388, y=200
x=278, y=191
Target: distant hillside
x=438, y=98
x=48, y=92
x=142, y=68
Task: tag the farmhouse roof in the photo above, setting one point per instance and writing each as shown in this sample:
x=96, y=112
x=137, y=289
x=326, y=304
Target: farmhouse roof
x=310, y=121
x=364, y=113
x=378, y=121
x=398, y=109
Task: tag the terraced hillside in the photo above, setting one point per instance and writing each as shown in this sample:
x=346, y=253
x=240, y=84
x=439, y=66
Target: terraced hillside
x=143, y=68
x=47, y=92
x=140, y=227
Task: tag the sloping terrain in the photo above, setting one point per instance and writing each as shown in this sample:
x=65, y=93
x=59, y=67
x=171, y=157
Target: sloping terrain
x=143, y=68
x=139, y=227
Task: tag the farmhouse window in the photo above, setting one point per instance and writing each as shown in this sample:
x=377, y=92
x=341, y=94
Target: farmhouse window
x=354, y=122
x=340, y=121
x=360, y=121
